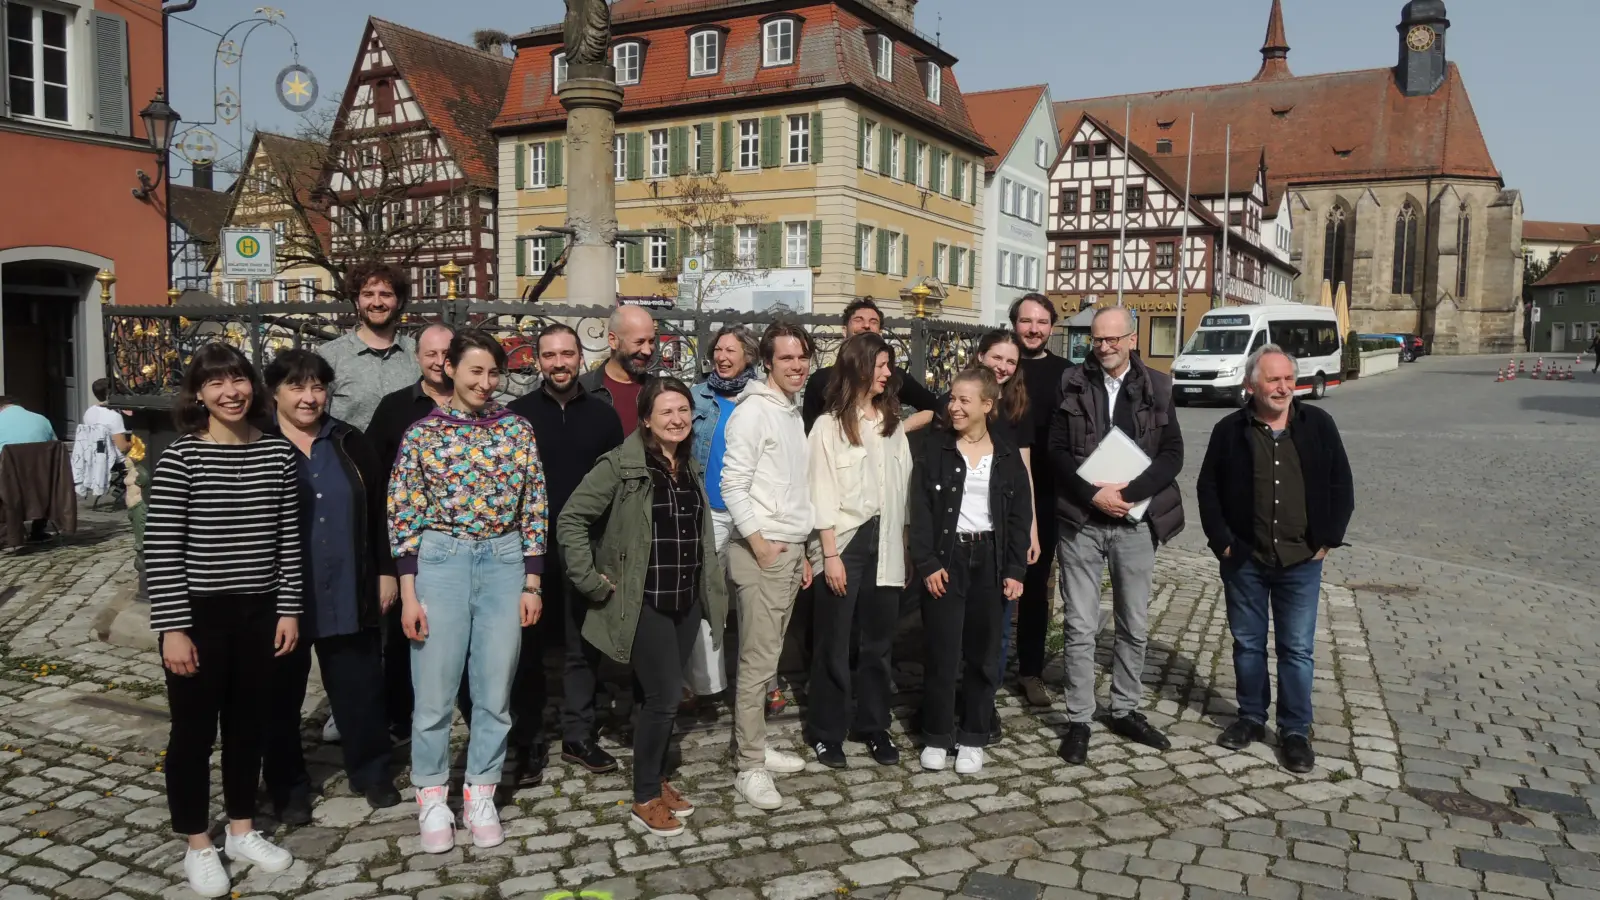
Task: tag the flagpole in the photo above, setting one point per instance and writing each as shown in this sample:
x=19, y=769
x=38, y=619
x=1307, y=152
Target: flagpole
x=1183, y=242
x=1227, y=215
x=1122, y=239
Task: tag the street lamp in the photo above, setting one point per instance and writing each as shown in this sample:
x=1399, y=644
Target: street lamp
x=160, y=119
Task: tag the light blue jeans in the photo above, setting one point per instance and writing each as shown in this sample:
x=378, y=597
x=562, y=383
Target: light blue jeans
x=471, y=592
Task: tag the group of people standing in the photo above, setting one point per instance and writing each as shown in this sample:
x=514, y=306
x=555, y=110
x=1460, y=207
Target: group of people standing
x=379, y=503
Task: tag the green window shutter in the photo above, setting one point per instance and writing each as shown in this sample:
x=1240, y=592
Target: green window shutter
x=678, y=151
x=816, y=137
x=771, y=143
x=972, y=188
x=708, y=144
x=959, y=188
x=635, y=155
x=769, y=245
x=861, y=148
x=554, y=247
x=522, y=166
x=883, y=252
x=884, y=146
x=727, y=145
x=522, y=257
x=905, y=255
x=972, y=266
x=763, y=246
x=815, y=246
x=634, y=256
x=553, y=164
x=722, y=247
x=672, y=247
x=909, y=170
x=954, y=256
x=936, y=173
x=860, y=233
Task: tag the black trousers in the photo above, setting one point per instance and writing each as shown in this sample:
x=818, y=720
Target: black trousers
x=962, y=631
x=352, y=674
x=1033, y=607
x=233, y=637
x=397, y=672
x=580, y=671
x=661, y=648
x=869, y=613
x=529, y=693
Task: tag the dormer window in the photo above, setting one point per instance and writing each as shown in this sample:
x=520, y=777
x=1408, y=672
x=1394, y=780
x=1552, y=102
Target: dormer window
x=705, y=52
x=627, y=59
x=777, y=42
x=933, y=75
x=883, y=62
x=558, y=72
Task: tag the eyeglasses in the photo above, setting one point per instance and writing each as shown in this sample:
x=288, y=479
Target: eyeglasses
x=1108, y=341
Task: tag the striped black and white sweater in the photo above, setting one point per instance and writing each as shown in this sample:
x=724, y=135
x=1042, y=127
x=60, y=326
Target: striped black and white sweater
x=223, y=519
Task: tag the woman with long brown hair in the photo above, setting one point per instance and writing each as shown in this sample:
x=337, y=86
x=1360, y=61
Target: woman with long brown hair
x=860, y=470
x=639, y=543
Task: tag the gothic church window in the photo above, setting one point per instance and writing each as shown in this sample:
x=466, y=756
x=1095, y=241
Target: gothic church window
x=1405, y=251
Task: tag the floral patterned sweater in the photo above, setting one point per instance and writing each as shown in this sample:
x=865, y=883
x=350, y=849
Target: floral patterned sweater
x=473, y=476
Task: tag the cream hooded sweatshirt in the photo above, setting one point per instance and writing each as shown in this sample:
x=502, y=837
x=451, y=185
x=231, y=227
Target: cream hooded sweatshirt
x=764, y=471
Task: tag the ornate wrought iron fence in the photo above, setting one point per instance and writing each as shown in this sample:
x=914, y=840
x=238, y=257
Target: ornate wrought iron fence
x=147, y=348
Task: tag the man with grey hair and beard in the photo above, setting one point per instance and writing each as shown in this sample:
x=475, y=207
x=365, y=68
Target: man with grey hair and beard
x=1112, y=389
x=1275, y=495
x=631, y=332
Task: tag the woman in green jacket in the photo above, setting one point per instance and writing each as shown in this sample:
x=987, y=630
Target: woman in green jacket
x=638, y=542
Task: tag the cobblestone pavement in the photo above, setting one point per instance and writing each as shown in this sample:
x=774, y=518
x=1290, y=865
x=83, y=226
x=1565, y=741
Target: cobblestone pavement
x=1455, y=655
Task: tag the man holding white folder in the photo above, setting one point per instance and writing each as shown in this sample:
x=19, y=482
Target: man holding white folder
x=1114, y=507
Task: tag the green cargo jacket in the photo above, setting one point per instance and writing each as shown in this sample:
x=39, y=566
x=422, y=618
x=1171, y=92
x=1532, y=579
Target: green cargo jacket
x=605, y=530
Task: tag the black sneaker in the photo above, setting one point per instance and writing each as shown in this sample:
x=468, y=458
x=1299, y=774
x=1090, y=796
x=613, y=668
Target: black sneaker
x=1241, y=734
x=528, y=765
x=295, y=811
x=1298, y=757
x=997, y=732
x=589, y=755
x=381, y=796
x=882, y=748
x=1075, y=746
x=1135, y=727
x=830, y=755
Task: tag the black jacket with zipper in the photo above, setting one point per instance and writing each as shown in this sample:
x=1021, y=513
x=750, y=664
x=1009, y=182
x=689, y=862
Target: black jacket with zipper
x=938, y=481
x=369, y=495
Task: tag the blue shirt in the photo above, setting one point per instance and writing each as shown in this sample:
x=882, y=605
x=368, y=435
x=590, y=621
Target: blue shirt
x=19, y=426
x=719, y=449
x=327, y=527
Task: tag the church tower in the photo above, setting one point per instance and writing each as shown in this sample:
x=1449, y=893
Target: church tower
x=1275, y=47
x=1422, y=65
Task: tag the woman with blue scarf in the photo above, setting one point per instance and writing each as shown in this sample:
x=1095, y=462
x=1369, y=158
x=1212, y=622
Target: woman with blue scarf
x=733, y=357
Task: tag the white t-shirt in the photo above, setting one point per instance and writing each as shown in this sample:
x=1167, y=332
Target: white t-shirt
x=975, y=515
x=110, y=418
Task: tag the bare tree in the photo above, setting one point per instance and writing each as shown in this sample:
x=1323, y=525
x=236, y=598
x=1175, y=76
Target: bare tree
x=706, y=218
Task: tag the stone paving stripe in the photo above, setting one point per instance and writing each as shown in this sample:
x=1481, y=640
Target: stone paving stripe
x=984, y=886
x=1580, y=824
x=1551, y=802
x=1506, y=865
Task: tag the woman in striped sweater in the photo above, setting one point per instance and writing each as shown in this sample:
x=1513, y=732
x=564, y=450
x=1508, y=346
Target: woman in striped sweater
x=222, y=554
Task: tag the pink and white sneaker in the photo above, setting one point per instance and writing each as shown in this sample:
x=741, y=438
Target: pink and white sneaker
x=479, y=815
x=437, y=825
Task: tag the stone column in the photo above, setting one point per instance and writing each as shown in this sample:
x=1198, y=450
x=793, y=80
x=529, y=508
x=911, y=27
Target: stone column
x=592, y=98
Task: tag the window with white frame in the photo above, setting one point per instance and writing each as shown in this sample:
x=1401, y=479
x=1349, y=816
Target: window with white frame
x=280, y=290
x=934, y=76
x=1560, y=298
x=622, y=258
x=619, y=156
x=868, y=235
x=558, y=72
x=705, y=52
x=799, y=139
x=777, y=42
x=941, y=261
x=749, y=143
x=797, y=244
x=1594, y=296
x=308, y=290
x=430, y=282
x=896, y=144
x=456, y=211
x=701, y=240
x=536, y=167
x=659, y=156
x=625, y=57
x=658, y=254
x=281, y=229
x=236, y=292
x=884, y=62
x=1004, y=268
x=869, y=141
x=896, y=262
x=1041, y=153
x=922, y=165
x=537, y=260
x=38, y=47
x=749, y=239
x=1006, y=196
x=1016, y=270
x=963, y=265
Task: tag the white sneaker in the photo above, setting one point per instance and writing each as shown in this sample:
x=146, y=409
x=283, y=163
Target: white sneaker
x=784, y=763
x=969, y=760
x=206, y=875
x=252, y=848
x=755, y=786
x=479, y=814
x=330, y=731
x=434, y=819
x=934, y=758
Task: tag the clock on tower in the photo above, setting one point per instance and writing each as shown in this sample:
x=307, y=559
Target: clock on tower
x=1422, y=65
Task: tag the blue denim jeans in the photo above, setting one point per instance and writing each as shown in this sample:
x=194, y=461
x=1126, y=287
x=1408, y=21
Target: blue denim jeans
x=1291, y=595
x=471, y=592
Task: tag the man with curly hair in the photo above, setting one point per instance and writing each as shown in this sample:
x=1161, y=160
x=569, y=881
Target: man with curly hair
x=373, y=359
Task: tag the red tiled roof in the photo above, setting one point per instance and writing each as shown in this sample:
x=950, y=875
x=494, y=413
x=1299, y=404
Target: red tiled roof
x=1207, y=179
x=621, y=9
x=200, y=212
x=1001, y=115
x=1581, y=266
x=1346, y=126
x=1154, y=166
x=296, y=160
x=459, y=88
x=831, y=56
x=1560, y=232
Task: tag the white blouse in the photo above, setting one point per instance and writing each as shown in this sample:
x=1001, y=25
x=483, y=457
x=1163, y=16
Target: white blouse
x=974, y=517
x=851, y=484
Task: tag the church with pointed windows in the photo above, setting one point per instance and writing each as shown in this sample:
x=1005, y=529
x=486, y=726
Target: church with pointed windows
x=1381, y=176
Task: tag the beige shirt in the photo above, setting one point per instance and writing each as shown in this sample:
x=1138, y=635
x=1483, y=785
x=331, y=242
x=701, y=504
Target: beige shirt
x=851, y=484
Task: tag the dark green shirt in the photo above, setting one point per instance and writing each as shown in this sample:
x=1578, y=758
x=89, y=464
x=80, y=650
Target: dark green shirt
x=1280, y=493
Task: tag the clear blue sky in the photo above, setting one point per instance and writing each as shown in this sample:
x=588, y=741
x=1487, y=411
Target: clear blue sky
x=1530, y=66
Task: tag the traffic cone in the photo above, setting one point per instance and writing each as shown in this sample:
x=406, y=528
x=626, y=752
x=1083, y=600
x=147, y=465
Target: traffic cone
x=1500, y=376
x=1522, y=367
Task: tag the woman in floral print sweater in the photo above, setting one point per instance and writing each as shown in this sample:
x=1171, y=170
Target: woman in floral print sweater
x=467, y=525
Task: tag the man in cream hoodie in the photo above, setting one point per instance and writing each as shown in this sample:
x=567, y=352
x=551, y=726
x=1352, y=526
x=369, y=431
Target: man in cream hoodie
x=764, y=485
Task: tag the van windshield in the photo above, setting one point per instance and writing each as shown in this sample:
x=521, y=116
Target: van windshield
x=1218, y=342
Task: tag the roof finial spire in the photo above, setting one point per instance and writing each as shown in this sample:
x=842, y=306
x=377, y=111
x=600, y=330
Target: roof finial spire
x=1275, y=48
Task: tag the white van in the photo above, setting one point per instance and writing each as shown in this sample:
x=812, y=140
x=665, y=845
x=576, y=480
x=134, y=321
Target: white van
x=1211, y=365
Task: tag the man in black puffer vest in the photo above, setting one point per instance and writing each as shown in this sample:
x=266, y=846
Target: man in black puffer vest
x=1112, y=389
